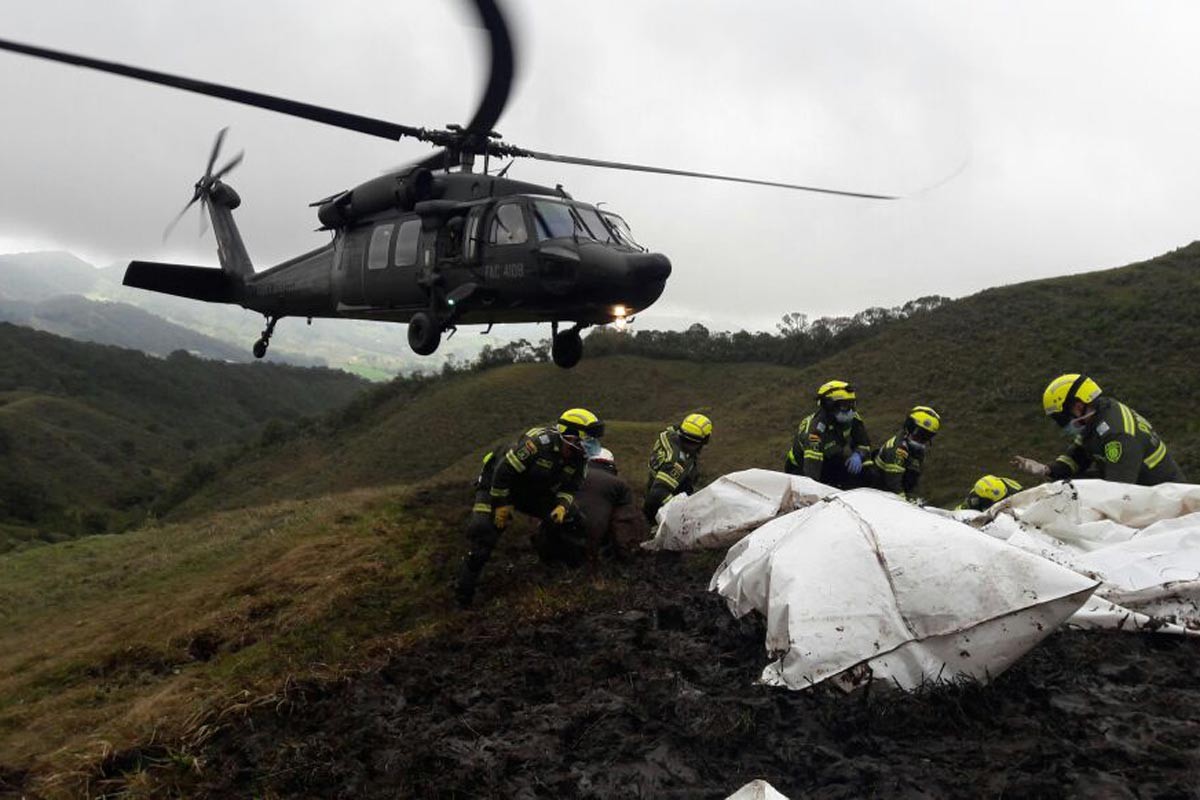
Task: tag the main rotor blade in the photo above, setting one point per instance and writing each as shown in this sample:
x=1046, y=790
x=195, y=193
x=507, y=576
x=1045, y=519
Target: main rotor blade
x=495, y=94
x=591, y=162
x=328, y=116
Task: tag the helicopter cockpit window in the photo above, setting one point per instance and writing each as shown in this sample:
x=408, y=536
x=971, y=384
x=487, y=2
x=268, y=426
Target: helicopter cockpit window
x=595, y=226
x=407, y=239
x=621, y=228
x=377, y=255
x=554, y=220
x=507, y=225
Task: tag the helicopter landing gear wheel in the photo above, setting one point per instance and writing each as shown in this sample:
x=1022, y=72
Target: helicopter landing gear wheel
x=424, y=334
x=264, y=341
x=567, y=348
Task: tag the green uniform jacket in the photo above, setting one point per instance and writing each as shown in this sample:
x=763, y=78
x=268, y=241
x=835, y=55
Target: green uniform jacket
x=899, y=465
x=671, y=471
x=533, y=469
x=1122, y=446
x=821, y=446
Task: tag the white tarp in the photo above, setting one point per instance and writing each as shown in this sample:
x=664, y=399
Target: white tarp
x=757, y=790
x=730, y=507
x=1141, y=542
x=864, y=585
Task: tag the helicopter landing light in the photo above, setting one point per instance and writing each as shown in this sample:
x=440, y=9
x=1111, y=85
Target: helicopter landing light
x=620, y=314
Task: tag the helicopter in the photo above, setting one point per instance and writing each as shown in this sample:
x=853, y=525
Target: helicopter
x=433, y=244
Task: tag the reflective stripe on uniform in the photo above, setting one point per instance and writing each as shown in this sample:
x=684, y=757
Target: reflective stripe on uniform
x=889, y=467
x=792, y=456
x=815, y=456
x=1158, y=455
x=499, y=492
x=513, y=461
x=482, y=508
x=566, y=497
x=667, y=479
x=1127, y=421
x=1070, y=462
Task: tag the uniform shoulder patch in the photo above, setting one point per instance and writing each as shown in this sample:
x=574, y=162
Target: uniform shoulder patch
x=544, y=438
x=1102, y=429
x=821, y=426
x=1112, y=451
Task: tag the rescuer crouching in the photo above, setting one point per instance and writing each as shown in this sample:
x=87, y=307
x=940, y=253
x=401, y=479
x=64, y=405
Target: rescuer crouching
x=539, y=476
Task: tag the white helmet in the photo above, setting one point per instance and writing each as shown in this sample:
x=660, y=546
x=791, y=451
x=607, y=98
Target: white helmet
x=605, y=456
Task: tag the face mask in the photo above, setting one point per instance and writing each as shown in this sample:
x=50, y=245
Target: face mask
x=844, y=416
x=592, y=447
x=1073, y=428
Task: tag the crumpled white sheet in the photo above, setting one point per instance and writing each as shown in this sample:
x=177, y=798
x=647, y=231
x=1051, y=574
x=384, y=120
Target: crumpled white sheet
x=730, y=507
x=757, y=790
x=864, y=586
x=1141, y=542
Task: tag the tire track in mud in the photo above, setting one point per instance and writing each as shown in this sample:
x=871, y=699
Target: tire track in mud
x=655, y=697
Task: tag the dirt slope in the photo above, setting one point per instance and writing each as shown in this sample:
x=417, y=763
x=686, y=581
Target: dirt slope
x=649, y=692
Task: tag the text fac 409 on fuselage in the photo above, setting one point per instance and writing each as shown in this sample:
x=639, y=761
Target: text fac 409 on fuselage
x=433, y=244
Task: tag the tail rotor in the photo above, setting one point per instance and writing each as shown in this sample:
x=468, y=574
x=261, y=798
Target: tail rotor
x=204, y=187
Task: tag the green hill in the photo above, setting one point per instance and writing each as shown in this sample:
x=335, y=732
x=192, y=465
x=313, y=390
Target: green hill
x=982, y=361
x=91, y=436
x=326, y=547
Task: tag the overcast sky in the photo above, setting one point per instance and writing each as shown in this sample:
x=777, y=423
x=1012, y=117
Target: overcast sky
x=1077, y=123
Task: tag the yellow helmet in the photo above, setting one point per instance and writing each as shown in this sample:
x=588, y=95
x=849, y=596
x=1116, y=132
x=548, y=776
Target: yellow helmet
x=991, y=487
x=696, y=427
x=923, y=418
x=1065, y=389
x=832, y=391
x=580, y=422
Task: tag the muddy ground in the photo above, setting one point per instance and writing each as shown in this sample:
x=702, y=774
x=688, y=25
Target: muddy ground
x=653, y=696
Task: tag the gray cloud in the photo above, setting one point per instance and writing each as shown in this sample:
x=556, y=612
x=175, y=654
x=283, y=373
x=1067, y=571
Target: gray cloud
x=1076, y=122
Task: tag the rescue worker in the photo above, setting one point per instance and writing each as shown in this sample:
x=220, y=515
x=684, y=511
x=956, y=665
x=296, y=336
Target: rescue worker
x=674, y=463
x=608, y=523
x=538, y=475
x=1105, y=434
x=987, y=491
x=898, y=461
x=831, y=444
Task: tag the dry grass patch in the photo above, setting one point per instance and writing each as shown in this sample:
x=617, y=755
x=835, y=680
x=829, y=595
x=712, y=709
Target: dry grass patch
x=109, y=643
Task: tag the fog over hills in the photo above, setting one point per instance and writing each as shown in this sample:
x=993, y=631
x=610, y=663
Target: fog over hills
x=375, y=350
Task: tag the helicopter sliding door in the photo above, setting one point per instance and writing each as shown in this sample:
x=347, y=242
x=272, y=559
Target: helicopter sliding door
x=349, y=278
x=392, y=262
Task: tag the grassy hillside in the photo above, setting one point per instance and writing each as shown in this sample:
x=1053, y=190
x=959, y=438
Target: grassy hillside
x=90, y=436
x=982, y=361
x=329, y=545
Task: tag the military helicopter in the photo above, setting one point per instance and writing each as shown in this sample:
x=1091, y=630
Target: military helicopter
x=434, y=244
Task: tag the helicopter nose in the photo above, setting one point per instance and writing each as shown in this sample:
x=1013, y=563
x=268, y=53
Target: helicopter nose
x=649, y=268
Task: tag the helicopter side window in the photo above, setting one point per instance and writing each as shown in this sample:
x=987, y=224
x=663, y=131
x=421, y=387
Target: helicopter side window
x=377, y=255
x=507, y=225
x=407, y=239
x=554, y=220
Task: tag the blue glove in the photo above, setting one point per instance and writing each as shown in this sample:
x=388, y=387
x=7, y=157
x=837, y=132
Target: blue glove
x=854, y=463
